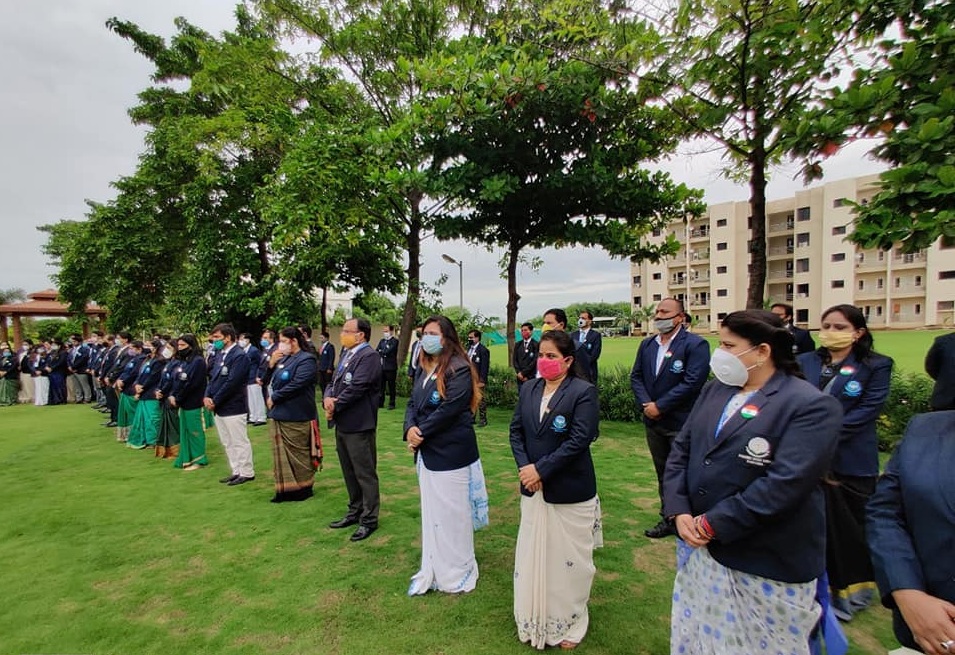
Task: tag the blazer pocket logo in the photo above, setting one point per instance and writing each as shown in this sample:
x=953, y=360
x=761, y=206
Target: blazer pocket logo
x=853, y=389
x=758, y=452
x=676, y=366
x=348, y=378
x=285, y=375
x=435, y=398
x=224, y=370
x=559, y=423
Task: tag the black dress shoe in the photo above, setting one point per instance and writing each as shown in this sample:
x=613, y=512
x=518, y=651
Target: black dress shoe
x=363, y=532
x=239, y=479
x=343, y=522
x=110, y=424
x=662, y=529
x=228, y=479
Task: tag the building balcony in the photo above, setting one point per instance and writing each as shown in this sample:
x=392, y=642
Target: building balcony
x=700, y=256
x=677, y=261
x=870, y=294
x=781, y=226
x=908, y=291
x=777, y=275
x=701, y=281
x=915, y=260
x=872, y=264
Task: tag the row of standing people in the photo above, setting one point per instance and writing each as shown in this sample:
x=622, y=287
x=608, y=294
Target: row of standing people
x=52, y=372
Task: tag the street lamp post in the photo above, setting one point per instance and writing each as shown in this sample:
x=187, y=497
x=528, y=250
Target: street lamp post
x=460, y=264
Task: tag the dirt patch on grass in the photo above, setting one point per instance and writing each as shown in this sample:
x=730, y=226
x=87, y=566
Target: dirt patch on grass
x=655, y=558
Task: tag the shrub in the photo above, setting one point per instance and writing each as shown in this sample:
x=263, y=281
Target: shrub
x=909, y=395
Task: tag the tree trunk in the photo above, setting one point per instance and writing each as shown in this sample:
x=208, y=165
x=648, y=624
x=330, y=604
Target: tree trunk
x=512, y=298
x=414, y=280
x=757, y=208
x=324, y=320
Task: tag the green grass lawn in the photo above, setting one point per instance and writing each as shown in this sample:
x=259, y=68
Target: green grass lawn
x=108, y=550
x=906, y=347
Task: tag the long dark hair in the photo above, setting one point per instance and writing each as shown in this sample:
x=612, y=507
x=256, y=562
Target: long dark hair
x=452, y=349
x=296, y=334
x=864, y=345
x=565, y=346
x=760, y=326
x=193, y=347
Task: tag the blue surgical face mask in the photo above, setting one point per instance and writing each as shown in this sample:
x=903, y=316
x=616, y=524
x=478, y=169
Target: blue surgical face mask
x=265, y=343
x=432, y=343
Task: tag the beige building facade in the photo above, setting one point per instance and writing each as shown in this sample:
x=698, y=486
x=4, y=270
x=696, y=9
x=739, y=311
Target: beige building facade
x=810, y=264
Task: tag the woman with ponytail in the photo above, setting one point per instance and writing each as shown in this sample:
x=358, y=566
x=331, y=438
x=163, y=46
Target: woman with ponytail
x=440, y=432
x=847, y=368
x=742, y=484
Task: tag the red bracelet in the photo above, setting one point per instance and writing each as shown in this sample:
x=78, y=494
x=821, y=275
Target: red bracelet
x=707, y=528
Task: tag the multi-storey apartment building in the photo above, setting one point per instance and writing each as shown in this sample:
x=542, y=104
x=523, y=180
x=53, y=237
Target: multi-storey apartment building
x=810, y=264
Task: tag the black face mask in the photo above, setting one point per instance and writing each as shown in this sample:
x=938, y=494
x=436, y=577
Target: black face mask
x=183, y=353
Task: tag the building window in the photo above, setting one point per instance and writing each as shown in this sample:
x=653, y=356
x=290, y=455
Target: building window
x=881, y=255
x=802, y=214
x=878, y=310
x=721, y=293
x=879, y=283
x=839, y=202
x=898, y=282
x=918, y=280
x=918, y=309
x=657, y=297
x=802, y=265
x=802, y=290
x=947, y=243
x=722, y=246
x=720, y=270
x=839, y=230
x=749, y=222
x=636, y=280
x=838, y=284
x=838, y=256
x=945, y=305
x=802, y=239
x=721, y=316
x=638, y=300
x=861, y=285
x=946, y=275
x=802, y=315
x=657, y=232
x=658, y=276
x=721, y=222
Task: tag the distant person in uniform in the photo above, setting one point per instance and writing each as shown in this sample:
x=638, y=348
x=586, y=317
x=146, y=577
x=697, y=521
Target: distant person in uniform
x=801, y=338
x=388, y=351
x=525, y=355
x=587, y=337
x=480, y=357
x=667, y=376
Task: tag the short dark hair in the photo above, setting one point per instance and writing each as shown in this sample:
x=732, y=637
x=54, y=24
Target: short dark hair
x=787, y=308
x=98, y=333
x=474, y=333
x=586, y=312
x=307, y=331
x=225, y=329
x=365, y=327
x=124, y=335
x=245, y=335
x=680, y=307
x=528, y=325
x=325, y=334
x=559, y=315
x=272, y=334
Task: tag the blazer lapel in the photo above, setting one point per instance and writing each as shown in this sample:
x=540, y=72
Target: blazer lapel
x=429, y=387
x=554, y=403
x=749, y=410
x=845, y=372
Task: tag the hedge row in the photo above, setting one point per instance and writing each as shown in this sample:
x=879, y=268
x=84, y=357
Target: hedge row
x=909, y=395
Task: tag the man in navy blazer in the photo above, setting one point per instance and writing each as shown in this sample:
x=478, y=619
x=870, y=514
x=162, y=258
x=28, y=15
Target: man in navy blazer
x=226, y=397
x=667, y=375
x=388, y=351
x=326, y=361
x=588, y=339
x=910, y=525
x=480, y=356
x=351, y=407
x=802, y=340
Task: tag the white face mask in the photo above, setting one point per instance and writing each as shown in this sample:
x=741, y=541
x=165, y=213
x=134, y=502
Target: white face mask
x=386, y=335
x=168, y=352
x=243, y=343
x=728, y=368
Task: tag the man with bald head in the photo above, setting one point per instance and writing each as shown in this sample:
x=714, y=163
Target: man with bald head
x=667, y=376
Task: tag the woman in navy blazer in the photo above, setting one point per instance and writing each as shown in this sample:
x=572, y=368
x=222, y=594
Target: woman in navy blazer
x=911, y=529
x=742, y=484
x=439, y=430
x=555, y=421
x=293, y=413
x=846, y=368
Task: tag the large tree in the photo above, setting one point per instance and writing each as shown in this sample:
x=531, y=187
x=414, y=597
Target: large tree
x=539, y=149
x=744, y=73
x=904, y=98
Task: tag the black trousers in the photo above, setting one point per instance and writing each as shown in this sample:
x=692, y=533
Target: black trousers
x=388, y=386
x=659, y=441
x=358, y=455
x=112, y=402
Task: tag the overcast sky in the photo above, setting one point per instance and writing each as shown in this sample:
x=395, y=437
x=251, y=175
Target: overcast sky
x=65, y=135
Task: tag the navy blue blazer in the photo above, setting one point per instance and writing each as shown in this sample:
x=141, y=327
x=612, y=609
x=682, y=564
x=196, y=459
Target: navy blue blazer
x=588, y=352
x=481, y=361
x=189, y=383
x=759, y=483
x=326, y=357
x=558, y=446
x=169, y=372
x=356, y=387
x=149, y=375
x=255, y=358
x=227, y=382
x=910, y=519
x=293, y=388
x=446, y=423
x=388, y=351
x=940, y=365
x=79, y=358
x=861, y=388
x=681, y=377
x=130, y=372
x=525, y=358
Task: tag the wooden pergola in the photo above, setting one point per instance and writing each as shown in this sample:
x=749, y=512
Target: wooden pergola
x=42, y=303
